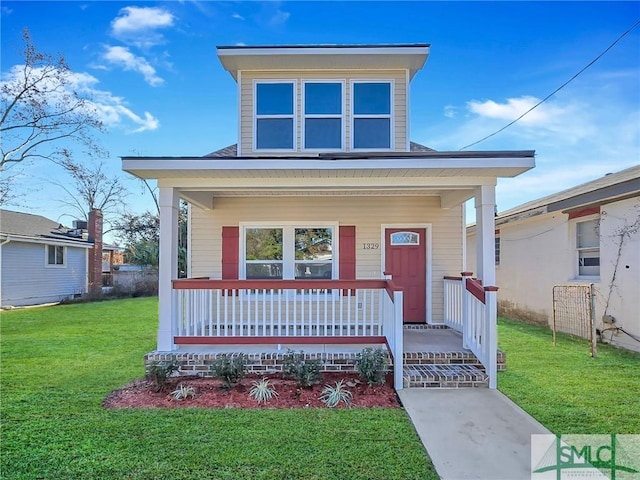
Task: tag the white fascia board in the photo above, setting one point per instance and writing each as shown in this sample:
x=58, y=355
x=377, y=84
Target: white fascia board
x=322, y=184
x=45, y=241
x=139, y=166
x=401, y=50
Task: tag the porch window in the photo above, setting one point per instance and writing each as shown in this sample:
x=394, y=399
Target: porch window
x=301, y=253
x=263, y=259
x=274, y=115
x=588, y=246
x=55, y=255
x=371, y=115
x=322, y=115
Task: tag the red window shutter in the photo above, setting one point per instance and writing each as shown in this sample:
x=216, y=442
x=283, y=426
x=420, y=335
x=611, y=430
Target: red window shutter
x=230, y=252
x=347, y=239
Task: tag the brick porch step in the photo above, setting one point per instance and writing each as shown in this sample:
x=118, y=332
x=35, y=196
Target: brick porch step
x=450, y=358
x=444, y=376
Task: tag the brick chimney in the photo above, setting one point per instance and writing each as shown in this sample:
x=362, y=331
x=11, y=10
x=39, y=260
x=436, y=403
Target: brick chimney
x=95, y=254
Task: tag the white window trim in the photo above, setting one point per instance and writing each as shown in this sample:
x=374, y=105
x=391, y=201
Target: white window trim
x=576, y=250
x=293, y=115
x=56, y=265
x=288, y=255
x=391, y=115
x=342, y=115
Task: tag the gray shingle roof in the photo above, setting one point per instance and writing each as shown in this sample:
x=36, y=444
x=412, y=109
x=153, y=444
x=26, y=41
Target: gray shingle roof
x=35, y=226
x=629, y=177
x=232, y=150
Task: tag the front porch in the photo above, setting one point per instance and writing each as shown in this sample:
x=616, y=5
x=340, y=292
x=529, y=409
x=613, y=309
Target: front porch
x=332, y=321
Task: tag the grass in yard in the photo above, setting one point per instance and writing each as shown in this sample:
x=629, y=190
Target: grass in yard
x=563, y=387
x=58, y=364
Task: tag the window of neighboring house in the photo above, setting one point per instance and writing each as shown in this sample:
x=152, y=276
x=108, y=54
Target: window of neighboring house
x=497, y=249
x=55, y=255
x=371, y=115
x=322, y=115
x=288, y=253
x=588, y=246
x=274, y=115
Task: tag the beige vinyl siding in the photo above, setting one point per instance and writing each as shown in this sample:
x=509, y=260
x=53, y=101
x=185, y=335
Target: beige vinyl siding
x=366, y=213
x=398, y=78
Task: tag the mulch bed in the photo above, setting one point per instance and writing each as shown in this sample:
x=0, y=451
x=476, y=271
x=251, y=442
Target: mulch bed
x=210, y=393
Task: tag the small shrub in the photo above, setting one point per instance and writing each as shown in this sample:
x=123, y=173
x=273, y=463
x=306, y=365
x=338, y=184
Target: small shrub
x=159, y=373
x=229, y=369
x=332, y=395
x=262, y=391
x=372, y=364
x=304, y=371
x=183, y=392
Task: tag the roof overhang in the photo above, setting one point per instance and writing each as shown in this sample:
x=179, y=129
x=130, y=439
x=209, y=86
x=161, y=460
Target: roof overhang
x=324, y=57
x=452, y=176
x=12, y=237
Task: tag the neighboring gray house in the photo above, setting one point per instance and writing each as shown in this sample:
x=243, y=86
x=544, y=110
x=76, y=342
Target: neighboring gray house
x=40, y=260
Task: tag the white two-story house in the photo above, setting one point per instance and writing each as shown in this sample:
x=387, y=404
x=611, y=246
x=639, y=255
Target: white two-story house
x=325, y=225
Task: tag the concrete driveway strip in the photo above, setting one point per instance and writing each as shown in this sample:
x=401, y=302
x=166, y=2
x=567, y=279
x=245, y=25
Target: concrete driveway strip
x=473, y=433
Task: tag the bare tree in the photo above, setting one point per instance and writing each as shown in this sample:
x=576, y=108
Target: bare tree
x=42, y=113
x=91, y=188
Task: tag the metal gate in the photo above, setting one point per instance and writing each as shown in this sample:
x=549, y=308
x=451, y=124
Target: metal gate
x=573, y=312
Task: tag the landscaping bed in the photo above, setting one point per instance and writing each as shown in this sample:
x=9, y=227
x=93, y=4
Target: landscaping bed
x=211, y=393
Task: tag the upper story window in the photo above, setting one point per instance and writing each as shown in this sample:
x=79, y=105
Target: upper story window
x=275, y=119
x=55, y=255
x=323, y=115
x=588, y=247
x=371, y=115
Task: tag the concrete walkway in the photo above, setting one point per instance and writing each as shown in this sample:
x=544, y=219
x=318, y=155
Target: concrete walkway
x=472, y=433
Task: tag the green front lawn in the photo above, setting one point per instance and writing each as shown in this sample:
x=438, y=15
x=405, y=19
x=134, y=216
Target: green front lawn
x=58, y=364
x=563, y=387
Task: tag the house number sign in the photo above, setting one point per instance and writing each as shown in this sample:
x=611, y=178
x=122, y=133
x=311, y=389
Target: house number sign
x=370, y=246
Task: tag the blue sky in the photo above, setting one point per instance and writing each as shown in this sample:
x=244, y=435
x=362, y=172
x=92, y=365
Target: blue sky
x=152, y=66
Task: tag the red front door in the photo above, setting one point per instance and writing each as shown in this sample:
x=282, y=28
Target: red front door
x=405, y=260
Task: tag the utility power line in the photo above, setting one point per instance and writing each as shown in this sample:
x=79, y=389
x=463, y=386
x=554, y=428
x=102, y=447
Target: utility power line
x=557, y=89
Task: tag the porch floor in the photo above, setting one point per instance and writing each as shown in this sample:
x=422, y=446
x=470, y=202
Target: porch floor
x=426, y=338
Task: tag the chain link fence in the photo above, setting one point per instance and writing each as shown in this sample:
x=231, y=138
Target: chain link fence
x=573, y=313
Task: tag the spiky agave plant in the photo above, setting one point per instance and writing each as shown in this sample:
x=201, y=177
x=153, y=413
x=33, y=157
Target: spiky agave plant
x=332, y=395
x=262, y=391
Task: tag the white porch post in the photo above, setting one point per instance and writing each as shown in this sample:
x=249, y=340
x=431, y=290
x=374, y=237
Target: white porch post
x=485, y=202
x=168, y=264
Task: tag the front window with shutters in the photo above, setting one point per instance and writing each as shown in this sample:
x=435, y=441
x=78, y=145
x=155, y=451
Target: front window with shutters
x=289, y=252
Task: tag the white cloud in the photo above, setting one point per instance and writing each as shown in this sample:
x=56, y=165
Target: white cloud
x=122, y=57
x=138, y=25
x=450, y=111
x=514, y=107
x=237, y=16
x=110, y=109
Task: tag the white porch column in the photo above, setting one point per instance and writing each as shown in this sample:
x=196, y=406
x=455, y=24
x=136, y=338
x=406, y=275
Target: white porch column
x=168, y=264
x=485, y=202
x=486, y=258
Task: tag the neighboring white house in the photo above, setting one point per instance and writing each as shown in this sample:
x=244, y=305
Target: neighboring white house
x=324, y=224
x=41, y=261
x=586, y=234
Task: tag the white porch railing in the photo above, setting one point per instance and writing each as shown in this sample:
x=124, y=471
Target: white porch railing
x=289, y=311
x=470, y=308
